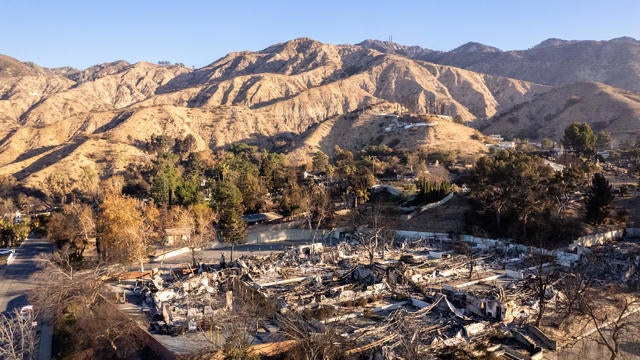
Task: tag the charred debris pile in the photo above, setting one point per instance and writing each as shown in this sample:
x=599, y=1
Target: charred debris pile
x=420, y=297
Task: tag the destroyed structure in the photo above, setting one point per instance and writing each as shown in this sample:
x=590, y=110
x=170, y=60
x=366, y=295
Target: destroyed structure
x=422, y=300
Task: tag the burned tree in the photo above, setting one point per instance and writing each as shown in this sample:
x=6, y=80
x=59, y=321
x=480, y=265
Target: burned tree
x=544, y=277
x=465, y=250
x=311, y=342
x=18, y=338
x=316, y=205
x=72, y=301
x=574, y=286
x=373, y=237
x=612, y=327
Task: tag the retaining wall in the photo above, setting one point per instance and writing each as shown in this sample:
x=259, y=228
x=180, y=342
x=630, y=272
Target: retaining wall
x=415, y=235
x=429, y=206
x=547, y=341
x=601, y=238
x=170, y=254
x=597, y=239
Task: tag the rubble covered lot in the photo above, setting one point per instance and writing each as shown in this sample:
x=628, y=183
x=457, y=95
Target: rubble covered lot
x=423, y=297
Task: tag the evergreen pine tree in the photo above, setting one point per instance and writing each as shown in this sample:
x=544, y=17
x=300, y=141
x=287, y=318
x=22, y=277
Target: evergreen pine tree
x=599, y=199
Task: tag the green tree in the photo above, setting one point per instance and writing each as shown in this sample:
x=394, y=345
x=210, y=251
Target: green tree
x=166, y=180
x=253, y=193
x=446, y=158
x=243, y=149
x=235, y=166
x=564, y=185
x=359, y=184
x=343, y=160
x=13, y=234
x=227, y=202
x=159, y=144
x=604, y=139
x=599, y=199
x=274, y=171
x=579, y=137
x=196, y=166
x=187, y=191
x=184, y=146
x=513, y=186
x=546, y=144
x=291, y=198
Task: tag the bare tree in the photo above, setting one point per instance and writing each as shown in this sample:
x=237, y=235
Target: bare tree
x=250, y=310
x=18, y=338
x=574, y=287
x=312, y=343
x=72, y=301
x=58, y=286
x=539, y=284
x=373, y=238
x=463, y=248
x=614, y=327
x=316, y=204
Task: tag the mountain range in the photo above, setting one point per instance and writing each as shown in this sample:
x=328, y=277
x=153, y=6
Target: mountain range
x=552, y=62
x=302, y=96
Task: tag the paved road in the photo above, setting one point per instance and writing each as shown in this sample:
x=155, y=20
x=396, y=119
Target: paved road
x=14, y=278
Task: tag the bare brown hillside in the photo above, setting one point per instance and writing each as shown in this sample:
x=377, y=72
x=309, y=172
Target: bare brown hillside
x=615, y=62
x=297, y=97
x=602, y=106
x=375, y=126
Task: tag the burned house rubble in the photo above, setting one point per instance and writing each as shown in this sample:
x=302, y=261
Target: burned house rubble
x=423, y=296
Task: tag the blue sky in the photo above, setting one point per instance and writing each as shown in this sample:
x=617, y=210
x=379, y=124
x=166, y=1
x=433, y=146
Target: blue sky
x=85, y=32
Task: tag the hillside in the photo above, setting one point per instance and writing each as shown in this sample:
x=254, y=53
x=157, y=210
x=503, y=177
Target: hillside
x=377, y=126
x=294, y=97
x=614, y=62
x=546, y=115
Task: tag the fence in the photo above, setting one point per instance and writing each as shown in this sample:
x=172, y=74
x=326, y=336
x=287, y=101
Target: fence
x=287, y=234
